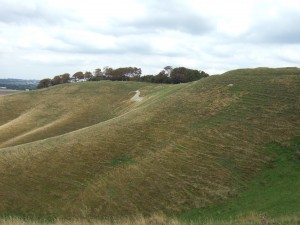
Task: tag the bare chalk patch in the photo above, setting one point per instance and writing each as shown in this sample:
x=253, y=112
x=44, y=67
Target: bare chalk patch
x=137, y=97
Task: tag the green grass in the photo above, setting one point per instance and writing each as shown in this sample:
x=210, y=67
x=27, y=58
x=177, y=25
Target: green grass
x=274, y=192
x=86, y=150
x=120, y=160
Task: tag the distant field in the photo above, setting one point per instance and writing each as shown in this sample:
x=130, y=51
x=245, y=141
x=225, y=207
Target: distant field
x=19, y=84
x=7, y=91
x=222, y=148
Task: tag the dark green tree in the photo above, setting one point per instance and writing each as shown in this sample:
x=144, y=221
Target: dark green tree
x=56, y=80
x=107, y=72
x=44, y=83
x=184, y=75
x=98, y=72
x=147, y=78
x=61, y=79
x=168, y=70
x=126, y=73
x=77, y=76
x=88, y=75
x=162, y=77
x=98, y=75
x=65, y=78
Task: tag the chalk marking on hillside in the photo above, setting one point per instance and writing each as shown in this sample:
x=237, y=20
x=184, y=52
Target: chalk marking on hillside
x=137, y=96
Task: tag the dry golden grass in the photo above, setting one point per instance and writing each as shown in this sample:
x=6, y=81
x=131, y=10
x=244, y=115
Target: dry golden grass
x=41, y=114
x=86, y=150
x=161, y=219
x=158, y=219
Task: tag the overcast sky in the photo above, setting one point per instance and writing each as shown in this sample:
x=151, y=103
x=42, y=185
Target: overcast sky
x=44, y=38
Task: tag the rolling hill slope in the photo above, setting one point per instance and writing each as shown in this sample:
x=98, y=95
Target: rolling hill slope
x=41, y=114
x=87, y=150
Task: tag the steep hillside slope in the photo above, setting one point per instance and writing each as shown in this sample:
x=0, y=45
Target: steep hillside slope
x=61, y=109
x=183, y=146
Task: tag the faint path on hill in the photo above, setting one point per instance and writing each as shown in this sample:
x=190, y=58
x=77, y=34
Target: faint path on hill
x=137, y=96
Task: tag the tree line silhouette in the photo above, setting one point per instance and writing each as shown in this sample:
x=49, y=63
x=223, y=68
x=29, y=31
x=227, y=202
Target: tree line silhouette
x=168, y=75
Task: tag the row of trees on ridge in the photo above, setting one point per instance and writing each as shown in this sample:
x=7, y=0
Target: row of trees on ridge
x=168, y=75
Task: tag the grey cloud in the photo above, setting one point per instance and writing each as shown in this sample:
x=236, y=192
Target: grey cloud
x=90, y=49
x=164, y=16
x=186, y=23
x=124, y=49
x=283, y=29
x=78, y=47
x=290, y=60
x=131, y=45
x=23, y=13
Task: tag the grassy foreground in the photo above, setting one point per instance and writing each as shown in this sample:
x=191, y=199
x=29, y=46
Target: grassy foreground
x=212, y=149
x=160, y=219
x=272, y=194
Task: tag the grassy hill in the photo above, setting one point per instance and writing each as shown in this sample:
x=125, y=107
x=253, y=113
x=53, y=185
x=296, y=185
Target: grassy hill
x=86, y=150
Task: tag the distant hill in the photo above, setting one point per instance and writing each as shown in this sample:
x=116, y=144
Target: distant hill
x=18, y=84
x=88, y=150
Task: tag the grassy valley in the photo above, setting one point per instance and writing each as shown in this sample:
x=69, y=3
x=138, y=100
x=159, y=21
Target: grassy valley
x=224, y=148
